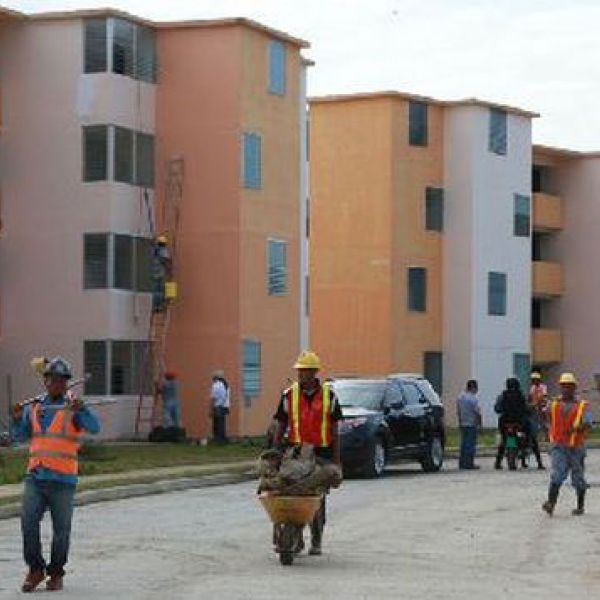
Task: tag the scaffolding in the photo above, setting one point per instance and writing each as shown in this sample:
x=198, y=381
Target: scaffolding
x=149, y=406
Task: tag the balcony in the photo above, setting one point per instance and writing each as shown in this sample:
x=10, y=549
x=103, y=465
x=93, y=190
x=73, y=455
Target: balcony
x=547, y=212
x=547, y=279
x=546, y=346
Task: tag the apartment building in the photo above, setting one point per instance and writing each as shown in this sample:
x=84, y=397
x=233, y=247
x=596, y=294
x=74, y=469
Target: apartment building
x=94, y=106
x=420, y=247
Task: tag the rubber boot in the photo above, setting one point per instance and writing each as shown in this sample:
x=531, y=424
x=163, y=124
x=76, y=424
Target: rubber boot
x=549, y=505
x=580, y=503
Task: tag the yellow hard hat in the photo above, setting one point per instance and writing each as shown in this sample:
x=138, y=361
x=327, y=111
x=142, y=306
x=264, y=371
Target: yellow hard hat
x=536, y=375
x=38, y=364
x=568, y=378
x=161, y=239
x=308, y=360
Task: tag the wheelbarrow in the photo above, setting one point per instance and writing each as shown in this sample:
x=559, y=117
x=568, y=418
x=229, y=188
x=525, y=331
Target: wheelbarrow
x=289, y=515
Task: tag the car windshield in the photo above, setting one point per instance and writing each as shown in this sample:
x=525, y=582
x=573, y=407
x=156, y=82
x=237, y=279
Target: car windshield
x=367, y=395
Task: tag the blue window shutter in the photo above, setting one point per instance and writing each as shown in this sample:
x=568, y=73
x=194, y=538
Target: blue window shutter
x=498, y=132
x=277, y=268
x=252, y=161
x=251, y=368
x=522, y=216
x=434, y=209
x=277, y=56
x=497, y=294
x=521, y=369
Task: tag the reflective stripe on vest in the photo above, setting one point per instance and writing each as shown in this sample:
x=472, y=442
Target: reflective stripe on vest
x=325, y=415
x=577, y=423
x=56, y=448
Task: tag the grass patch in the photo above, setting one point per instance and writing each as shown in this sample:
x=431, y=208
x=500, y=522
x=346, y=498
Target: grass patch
x=101, y=459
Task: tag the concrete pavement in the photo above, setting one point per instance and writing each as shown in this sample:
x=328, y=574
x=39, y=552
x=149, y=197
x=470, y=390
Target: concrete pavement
x=442, y=536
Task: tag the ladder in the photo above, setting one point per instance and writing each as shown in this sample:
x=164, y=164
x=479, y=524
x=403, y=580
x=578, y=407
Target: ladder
x=149, y=407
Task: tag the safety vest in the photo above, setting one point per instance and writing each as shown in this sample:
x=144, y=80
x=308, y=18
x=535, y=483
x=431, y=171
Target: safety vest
x=56, y=448
x=562, y=423
x=309, y=420
x=537, y=394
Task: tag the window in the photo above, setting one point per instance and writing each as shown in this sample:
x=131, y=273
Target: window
x=417, y=289
x=131, y=153
x=123, y=47
x=277, y=267
x=411, y=394
x=417, y=123
x=144, y=160
x=123, y=263
x=95, y=359
x=95, y=153
x=277, y=68
x=130, y=265
x=536, y=313
x=118, y=368
x=95, y=46
x=252, y=161
x=145, y=54
x=497, y=132
x=433, y=370
x=522, y=216
x=434, y=209
x=497, y=294
x=251, y=368
x=522, y=369
x=123, y=155
x=95, y=261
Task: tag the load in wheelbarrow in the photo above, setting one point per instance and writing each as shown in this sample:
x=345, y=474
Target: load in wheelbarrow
x=289, y=515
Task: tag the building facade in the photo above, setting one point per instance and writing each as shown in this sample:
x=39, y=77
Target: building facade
x=421, y=241
x=95, y=105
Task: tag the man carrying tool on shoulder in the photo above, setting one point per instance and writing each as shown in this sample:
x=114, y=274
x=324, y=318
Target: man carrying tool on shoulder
x=310, y=411
x=569, y=421
x=54, y=424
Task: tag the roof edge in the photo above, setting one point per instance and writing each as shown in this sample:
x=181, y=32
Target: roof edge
x=565, y=152
x=113, y=12
x=409, y=96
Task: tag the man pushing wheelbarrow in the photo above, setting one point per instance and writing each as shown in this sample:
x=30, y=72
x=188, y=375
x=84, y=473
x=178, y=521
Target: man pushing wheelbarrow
x=309, y=411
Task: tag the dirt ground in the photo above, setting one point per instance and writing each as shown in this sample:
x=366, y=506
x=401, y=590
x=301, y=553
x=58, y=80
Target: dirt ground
x=449, y=535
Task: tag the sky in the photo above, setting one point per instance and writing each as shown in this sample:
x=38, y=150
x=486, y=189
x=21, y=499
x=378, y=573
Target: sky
x=542, y=55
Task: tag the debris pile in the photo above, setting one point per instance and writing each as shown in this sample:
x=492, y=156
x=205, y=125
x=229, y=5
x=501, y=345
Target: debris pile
x=296, y=472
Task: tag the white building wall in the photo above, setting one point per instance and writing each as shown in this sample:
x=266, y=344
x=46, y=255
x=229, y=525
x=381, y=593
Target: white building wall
x=481, y=186
x=47, y=208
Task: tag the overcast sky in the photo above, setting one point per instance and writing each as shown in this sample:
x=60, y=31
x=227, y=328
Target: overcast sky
x=542, y=55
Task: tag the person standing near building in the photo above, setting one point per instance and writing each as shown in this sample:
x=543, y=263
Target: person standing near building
x=170, y=398
x=538, y=395
x=309, y=411
x=220, y=398
x=570, y=420
x=54, y=425
x=469, y=419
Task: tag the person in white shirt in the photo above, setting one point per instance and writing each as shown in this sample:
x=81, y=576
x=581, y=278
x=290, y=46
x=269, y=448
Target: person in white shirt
x=220, y=404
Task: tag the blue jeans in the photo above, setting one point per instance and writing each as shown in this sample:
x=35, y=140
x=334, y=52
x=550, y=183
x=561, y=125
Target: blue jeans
x=568, y=460
x=38, y=496
x=468, y=445
x=171, y=414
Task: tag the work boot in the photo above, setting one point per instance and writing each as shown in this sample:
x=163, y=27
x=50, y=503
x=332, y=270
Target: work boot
x=55, y=583
x=498, y=464
x=580, y=504
x=315, y=550
x=33, y=579
x=549, y=505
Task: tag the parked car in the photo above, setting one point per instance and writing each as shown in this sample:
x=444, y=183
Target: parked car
x=387, y=420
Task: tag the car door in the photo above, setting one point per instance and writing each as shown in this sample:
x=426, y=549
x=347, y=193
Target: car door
x=393, y=410
x=414, y=414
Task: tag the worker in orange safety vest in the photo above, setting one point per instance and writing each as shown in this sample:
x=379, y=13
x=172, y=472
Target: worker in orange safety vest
x=570, y=420
x=309, y=410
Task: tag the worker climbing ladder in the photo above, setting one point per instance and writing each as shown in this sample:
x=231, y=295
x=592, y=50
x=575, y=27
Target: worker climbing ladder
x=149, y=407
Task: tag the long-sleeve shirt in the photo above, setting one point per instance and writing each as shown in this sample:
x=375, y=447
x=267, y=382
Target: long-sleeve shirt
x=84, y=419
x=467, y=409
x=219, y=394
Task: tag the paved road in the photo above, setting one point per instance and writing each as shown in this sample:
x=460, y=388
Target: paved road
x=451, y=535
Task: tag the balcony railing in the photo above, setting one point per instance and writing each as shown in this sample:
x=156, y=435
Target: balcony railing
x=547, y=212
x=546, y=346
x=547, y=279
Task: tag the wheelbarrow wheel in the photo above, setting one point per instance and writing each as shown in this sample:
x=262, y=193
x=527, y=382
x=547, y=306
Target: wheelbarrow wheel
x=288, y=542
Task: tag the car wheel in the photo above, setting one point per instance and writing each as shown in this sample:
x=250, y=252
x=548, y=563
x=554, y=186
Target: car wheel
x=376, y=459
x=434, y=457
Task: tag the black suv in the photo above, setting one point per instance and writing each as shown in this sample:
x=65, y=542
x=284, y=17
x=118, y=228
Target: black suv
x=389, y=419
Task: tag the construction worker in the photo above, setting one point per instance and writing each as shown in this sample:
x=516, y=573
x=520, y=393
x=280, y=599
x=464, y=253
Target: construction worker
x=220, y=404
x=54, y=425
x=537, y=399
x=570, y=420
x=170, y=400
x=161, y=270
x=309, y=411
